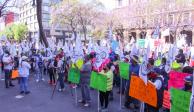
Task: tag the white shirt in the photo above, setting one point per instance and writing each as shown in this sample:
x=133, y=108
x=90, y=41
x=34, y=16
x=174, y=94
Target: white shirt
x=158, y=84
x=25, y=66
x=7, y=59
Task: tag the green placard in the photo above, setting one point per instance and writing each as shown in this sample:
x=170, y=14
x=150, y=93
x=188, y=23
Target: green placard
x=98, y=81
x=141, y=43
x=124, y=70
x=74, y=76
x=180, y=100
x=157, y=63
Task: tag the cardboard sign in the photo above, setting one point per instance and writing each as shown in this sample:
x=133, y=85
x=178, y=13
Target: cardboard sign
x=79, y=63
x=124, y=70
x=141, y=91
x=180, y=100
x=156, y=43
x=98, y=81
x=166, y=99
x=176, y=79
x=141, y=43
x=74, y=76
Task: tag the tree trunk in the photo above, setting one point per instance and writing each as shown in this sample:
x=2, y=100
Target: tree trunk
x=42, y=37
x=85, y=34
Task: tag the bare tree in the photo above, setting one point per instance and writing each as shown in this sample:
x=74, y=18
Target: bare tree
x=4, y=5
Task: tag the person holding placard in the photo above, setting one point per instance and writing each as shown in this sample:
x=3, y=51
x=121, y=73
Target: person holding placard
x=85, y=80
x=158, y=81
x=188, y=84
x=104, y=96
x=133, y=70
x=180, y=58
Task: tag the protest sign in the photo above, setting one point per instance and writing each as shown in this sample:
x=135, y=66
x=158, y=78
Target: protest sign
x=74, y=75
x=102, y=54
x=141, y=43
x=141, y=91
x=180, y=100
x=79, y=63
x=176, y=79
x=98, y=81
x=124, y=70
x=156, y=42
x=166, y=99
x=157, y=63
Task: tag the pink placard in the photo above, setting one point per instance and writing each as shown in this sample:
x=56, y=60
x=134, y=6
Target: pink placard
x=176, y=79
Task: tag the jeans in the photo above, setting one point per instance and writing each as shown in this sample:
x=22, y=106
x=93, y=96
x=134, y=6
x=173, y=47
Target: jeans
x=85, y=90
x=61, y=80
x=8, y=77
x=24, y=84
x=39, y=74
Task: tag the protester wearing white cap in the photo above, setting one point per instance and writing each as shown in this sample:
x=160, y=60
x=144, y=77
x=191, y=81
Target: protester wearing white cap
x=24, y=68
x=8, y=65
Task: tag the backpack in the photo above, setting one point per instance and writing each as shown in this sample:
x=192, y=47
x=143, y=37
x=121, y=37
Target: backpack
x=40, y=62
x=1, y=59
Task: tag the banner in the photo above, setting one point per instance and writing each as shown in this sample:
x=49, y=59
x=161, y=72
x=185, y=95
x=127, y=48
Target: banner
x=176, y=79
x=180, y=100
x=141, y=43
x=98, y=82
x=141, y=91
x=124, y=70
x=166, y=99
x=74, y=76
x=102, y=54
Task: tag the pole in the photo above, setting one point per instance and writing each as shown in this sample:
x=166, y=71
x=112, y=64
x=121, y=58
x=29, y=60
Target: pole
x=54, y=87
x=191, y=109
x=142, y=107
x=54, y=90
x=98, y=102
x=76, y=95
x=120, y=93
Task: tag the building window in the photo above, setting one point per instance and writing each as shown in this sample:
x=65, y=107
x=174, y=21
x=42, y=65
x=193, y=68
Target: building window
x=186, y=18
x=171, y=19
x=35, y=17
x=46, y=8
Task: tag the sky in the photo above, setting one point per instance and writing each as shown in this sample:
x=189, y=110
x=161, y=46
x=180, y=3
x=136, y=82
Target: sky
x=109, y=4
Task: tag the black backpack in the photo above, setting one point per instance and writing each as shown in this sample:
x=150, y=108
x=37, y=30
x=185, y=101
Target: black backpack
x=1, y=59
x=40, y=63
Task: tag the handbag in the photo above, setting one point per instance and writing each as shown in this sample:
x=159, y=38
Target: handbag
x=14, y=74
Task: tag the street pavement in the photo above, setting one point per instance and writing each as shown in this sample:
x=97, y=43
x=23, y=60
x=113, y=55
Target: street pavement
x=39, y=100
